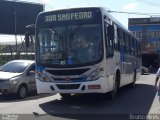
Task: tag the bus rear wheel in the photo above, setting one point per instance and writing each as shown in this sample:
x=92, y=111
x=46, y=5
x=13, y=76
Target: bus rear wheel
x=65, y=95
x=133, y=84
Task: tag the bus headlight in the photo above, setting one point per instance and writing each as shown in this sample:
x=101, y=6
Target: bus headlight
x=95, y=75
x=42, y=77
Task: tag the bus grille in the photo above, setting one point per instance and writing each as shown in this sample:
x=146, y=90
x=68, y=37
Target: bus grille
x=68, y=86
x=68, y=72
x=71, y=80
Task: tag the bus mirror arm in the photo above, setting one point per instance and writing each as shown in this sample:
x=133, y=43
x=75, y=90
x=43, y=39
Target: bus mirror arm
x=27, y=39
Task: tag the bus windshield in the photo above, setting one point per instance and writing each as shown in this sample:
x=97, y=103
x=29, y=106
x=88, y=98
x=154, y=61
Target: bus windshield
x=70, y=45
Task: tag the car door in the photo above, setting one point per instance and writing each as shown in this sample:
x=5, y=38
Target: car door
x=31, y=78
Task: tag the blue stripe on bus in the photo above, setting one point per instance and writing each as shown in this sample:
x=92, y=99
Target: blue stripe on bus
x=122, y=55
x=39, y=68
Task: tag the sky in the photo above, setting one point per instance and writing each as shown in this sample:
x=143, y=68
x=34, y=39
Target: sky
x=129, y=6
x=138, y=6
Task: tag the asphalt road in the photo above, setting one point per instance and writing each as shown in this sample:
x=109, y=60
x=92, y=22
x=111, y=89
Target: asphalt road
x=130, y=103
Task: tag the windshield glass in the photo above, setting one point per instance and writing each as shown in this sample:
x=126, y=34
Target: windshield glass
x=15, y=67
x=71, y=45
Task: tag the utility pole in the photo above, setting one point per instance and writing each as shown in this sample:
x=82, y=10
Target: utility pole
x=15, y=24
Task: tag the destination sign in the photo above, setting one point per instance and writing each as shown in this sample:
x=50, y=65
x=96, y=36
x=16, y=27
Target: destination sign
x=68, y=16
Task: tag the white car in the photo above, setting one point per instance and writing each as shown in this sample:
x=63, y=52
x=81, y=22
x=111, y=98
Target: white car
x=18, y=76
x=144, y=70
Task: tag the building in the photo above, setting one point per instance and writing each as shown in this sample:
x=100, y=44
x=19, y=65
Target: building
x=147, y=30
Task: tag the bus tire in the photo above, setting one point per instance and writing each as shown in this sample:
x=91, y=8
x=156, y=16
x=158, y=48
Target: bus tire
x=113, y=93
x=65, y=96
x=133, y=84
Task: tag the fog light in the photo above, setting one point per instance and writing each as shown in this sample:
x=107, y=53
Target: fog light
x=94, y=87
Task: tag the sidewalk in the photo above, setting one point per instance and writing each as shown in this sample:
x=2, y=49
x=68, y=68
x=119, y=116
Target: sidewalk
x=155, y=108
x=155, y=105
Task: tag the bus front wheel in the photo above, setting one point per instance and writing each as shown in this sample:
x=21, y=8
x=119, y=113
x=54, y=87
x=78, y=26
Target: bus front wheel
x=113, y=93
x=133, y=84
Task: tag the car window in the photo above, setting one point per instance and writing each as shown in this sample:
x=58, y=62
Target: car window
x=32, y=67
x=15, y=67
x=31, y=70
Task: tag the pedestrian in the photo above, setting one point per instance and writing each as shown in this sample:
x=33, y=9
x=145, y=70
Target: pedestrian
x=156, y=81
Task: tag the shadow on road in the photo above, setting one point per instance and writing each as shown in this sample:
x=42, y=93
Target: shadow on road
x=13, y=98
x=129, y=101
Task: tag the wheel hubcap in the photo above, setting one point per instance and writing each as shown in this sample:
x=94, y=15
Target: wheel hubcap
x=22, y=92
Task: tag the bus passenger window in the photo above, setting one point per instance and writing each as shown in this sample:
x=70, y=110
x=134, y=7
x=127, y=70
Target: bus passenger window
x=116, y=40
x=109, y=36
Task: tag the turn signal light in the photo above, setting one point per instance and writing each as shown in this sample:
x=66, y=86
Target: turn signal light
x=44, y=78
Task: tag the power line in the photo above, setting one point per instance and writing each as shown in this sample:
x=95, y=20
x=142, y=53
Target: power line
x=150, y=3
x=137, y=13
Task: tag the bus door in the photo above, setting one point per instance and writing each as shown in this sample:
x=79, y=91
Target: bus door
x=122, y=52
x=109, y=39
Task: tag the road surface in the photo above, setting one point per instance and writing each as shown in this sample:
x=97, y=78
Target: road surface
x=130, y=103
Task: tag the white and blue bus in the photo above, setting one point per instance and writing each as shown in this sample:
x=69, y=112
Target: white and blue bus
x=84, y=50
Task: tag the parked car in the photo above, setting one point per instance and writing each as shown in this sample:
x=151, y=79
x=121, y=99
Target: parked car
x=18, y=76
x=144, y=70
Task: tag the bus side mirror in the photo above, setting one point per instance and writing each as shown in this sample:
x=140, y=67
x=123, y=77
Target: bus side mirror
x=30, y=30
x=110, y=30
x=27, y=39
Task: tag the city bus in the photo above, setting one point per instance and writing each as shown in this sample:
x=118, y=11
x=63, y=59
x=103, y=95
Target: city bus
x=84, y=50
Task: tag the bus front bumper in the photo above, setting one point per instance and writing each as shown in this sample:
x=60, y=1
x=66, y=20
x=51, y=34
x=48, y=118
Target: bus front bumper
x=97, y=86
